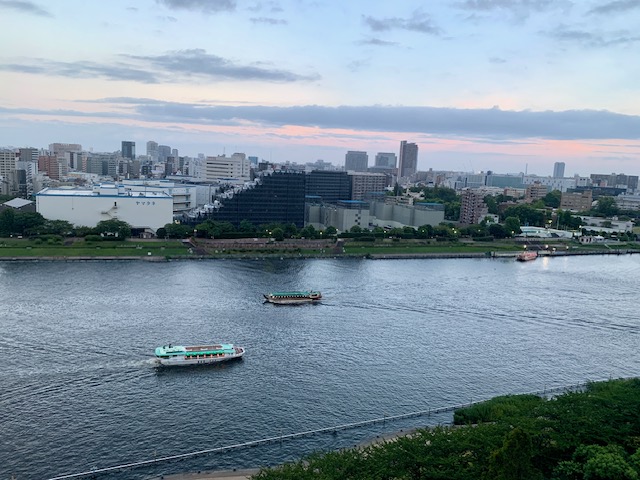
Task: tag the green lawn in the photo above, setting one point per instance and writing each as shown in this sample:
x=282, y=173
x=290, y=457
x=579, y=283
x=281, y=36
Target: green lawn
x=80, y=248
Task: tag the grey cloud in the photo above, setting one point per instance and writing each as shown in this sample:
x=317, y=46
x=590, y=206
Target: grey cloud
x=593, y=39
x=497, y=60
x=272, y=7
x=198, y=62
x=418, y=22
x=83, y=69
x=269, y=21
x=377, y=42
x=205, y=6
x=617, y=6
x=483, y=123
x=513, y=5
x=24, y=7
x=171, y=67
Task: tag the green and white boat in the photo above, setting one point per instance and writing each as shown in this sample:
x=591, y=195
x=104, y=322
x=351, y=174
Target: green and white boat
x=177, y=355
x=292, y=298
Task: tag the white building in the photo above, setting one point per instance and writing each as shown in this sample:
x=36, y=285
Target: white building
x=184, y=196
x=88, y=207
x=236, y=167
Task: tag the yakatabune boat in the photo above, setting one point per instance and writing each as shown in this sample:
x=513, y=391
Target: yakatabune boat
x=527, y=256
x=290, y=298
x=176, y=355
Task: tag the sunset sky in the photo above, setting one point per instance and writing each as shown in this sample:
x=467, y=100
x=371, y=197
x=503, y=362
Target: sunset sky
x=502, y=85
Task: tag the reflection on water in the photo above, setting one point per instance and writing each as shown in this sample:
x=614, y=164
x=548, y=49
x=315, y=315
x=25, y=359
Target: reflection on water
x=389, y=337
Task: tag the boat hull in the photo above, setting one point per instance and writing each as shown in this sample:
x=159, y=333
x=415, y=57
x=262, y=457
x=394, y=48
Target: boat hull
x=182, y=361
x=292, y=298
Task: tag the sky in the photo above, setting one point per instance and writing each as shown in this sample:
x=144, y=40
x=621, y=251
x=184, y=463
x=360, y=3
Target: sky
x=504, y=85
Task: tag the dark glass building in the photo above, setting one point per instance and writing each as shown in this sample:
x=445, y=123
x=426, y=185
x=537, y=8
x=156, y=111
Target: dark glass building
x=129, y=150
x=275, y=198
x=330, y=186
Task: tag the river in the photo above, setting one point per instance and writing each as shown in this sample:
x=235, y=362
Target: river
x=390, y=337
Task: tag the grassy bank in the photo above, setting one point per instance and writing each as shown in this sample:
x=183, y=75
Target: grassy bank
x=11, y=248
x=590, y=435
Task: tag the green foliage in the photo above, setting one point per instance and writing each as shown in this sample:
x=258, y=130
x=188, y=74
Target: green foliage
x=491, y=203
x=512, y=226
x=332, y=230
x=575, y=436
x=278, y=234
x=498, y=408
x=92, y=238
x=177, y=230
x=607, y=206
x=497, y=231
x=552, y=199
x=526, y=214
x=113, y=229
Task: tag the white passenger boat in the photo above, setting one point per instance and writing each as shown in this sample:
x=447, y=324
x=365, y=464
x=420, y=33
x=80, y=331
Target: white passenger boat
x=176, y=355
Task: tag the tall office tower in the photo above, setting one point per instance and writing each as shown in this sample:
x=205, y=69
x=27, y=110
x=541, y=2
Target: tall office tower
x=408, y=163
x=328, y=186
x=356, y=161
x=222, y=167
x=128, y=150
x=152, y=150
x=29, y=154
x=558, y=170
x=164, y=152
x=386, y=160
x=174, y=153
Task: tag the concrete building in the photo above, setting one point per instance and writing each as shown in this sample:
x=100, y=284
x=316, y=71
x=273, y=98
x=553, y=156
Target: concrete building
x=365, y=184
x=558, y=170
x=562, y=184
x=472, y=207
x=8, y=159
x=627, y=182
x=346, y=214
x=61, y=148
x=535, y=191
x=408, y=160
x=236, y=168
x=356, y=161
x=576, y=201
x=184, y=195
x=86, y=207
x=386, y=214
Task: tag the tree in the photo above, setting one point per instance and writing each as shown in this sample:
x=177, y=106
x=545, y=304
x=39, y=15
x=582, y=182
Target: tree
x=278, y=234
x=177, y=230
x=7, y=217
x=491, y=203
x=330, y=230
x=512, y=225
x=113, y=228
x=247, y=227
x=25, y=222
x=356, y=229
x=607, y=206
x=552, y=199
x=513, y=460
x=497, y=231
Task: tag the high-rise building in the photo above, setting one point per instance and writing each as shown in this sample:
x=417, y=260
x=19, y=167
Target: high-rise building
x=386, y=160
x=152, y=150
x=558, y=170
x=164, y=152
x=356, y=161
x=328, y=186
x=363, y=185
x=61, y=148
x=8, y=159
x=472, y=206
x=408, y=159
x=277, y=197
x=129, y=150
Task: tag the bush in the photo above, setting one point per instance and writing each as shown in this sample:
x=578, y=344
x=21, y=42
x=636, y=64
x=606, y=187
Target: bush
x=92, y=238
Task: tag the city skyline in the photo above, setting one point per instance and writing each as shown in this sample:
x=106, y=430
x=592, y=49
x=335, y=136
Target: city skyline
x=503, y=85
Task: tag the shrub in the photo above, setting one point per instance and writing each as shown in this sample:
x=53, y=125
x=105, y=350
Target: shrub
x=92, y=238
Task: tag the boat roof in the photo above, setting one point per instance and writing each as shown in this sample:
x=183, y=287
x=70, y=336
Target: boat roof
x=308, y=292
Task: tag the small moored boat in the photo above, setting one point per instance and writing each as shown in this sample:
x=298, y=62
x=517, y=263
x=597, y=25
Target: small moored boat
x=527, y=256
x=292, y=298
x=177, y=355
